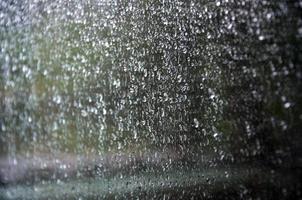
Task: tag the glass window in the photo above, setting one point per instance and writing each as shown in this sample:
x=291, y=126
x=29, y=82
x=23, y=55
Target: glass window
x=132, y=99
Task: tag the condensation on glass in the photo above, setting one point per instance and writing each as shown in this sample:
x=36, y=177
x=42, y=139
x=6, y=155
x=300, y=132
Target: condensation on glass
x=166, y=99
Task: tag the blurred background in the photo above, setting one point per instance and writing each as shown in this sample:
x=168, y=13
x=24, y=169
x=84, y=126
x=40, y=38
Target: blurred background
x=150, y=99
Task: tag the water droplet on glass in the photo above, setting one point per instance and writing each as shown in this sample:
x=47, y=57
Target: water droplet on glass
x=196, y=123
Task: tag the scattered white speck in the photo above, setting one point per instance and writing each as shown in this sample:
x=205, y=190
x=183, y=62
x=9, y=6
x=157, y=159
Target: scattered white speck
x=287, y=105
x=196, y=123
x=261, y=37
x=84, y=113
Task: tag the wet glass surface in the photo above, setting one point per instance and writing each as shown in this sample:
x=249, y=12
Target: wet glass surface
x=167, y=99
